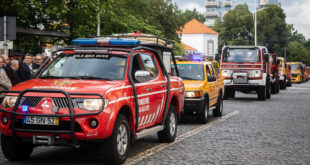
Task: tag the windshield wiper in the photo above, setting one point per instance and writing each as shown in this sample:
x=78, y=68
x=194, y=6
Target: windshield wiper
x=52, y=77
x=89, y=77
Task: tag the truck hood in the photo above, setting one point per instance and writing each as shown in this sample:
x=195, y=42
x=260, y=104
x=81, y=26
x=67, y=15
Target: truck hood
x=68, y=85
x=193, y=85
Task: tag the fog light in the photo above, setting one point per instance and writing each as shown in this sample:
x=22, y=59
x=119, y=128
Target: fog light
x=93, y=123
x=4, y=120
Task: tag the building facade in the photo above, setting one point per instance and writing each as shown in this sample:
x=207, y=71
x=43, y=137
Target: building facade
x=200, y=37
x=218, y=8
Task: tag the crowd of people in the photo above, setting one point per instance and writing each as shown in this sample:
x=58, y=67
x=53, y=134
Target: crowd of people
x=15, y=71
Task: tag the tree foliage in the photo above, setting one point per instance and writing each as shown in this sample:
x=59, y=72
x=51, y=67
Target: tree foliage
x=78, y=18
x=188, y=15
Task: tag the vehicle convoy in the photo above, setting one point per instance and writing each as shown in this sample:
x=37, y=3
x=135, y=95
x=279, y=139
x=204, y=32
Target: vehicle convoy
x=246, y=69
x=109, y=91
x=204, y=88
x=275, y=82
x=297, y=72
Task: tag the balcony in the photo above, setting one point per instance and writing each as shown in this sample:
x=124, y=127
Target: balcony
x=228, y=3
x=213, y=4
x=212, y=14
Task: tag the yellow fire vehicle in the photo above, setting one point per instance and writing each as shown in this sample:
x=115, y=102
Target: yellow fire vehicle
x=204, y=88
x=297, y=72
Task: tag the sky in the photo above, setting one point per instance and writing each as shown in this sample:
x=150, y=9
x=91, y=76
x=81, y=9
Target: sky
x=297, y=12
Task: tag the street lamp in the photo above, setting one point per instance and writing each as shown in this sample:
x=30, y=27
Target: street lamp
x=255, y=22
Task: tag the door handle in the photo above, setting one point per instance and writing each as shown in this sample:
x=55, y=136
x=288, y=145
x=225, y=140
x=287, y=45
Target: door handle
x=162, y=85
x=149, y=89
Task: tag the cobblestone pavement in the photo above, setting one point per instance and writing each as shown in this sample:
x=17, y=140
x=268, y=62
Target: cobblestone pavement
x=275, y=131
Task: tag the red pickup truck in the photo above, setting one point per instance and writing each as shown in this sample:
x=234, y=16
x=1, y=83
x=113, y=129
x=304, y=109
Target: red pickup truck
x=109, y=91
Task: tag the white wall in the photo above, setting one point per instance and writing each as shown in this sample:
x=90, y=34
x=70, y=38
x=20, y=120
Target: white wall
x=200, y=42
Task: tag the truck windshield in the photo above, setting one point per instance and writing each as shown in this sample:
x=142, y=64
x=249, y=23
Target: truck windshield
x=241, y=55
x=86, y=66
x=295, y=67
x=191, y=71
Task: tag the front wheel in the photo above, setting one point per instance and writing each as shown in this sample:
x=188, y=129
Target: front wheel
x=117, y=146
x=170, y=131
x=15, y=150
x=217, y=112
x=203, y=115
x=262, y=93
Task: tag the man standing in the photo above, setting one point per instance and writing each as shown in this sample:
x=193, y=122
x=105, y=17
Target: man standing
x=24, y=71
x=38, y=61
x=11, y=71
x=28, y=61
x=6, y=60
x=5, y=83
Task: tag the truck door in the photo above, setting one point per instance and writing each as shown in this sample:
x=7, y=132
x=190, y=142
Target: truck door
x=211, y=85
x=151, y=88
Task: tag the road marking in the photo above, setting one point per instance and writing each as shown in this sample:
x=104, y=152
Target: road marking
x=302, y=88
x=178, y=139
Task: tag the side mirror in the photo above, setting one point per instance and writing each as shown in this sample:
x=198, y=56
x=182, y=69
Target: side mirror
x=142, y=75
x=211, y=78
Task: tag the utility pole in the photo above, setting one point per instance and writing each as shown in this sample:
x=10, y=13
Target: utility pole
x=98, y=25
x=5, y=45
x=255, y=28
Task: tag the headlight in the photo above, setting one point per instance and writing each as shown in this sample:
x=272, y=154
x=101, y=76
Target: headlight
x=193, y=94
x=226, y=73
x=255, y=73
x=92, y=104
x=9, y=101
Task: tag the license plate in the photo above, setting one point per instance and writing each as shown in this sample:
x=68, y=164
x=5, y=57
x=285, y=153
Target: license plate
x=40, y=120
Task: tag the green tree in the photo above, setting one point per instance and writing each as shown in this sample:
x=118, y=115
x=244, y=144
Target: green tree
x=296, y=51
x=272, y=29
x=236, y=27
x=188, y=15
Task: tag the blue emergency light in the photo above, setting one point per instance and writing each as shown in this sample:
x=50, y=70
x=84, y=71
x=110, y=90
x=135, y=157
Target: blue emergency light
x=106, y=42
x=25, y=108
x=196, y=57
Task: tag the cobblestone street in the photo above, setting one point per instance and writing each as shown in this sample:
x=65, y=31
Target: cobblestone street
x=275, y=131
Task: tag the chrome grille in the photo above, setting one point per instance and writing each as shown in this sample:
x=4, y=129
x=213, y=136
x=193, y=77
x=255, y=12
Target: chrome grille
x=30, y=101
x=62, y=102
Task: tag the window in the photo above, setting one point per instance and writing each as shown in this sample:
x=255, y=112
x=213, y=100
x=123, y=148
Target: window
x=144, y=62
x=217, y=70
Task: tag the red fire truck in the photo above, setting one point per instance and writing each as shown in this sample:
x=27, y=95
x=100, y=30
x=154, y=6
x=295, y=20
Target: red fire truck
x=246, y=69
x=109, y=91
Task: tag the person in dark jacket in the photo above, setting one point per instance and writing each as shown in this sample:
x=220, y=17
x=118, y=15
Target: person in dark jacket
x=24, y=72
x=11, y=71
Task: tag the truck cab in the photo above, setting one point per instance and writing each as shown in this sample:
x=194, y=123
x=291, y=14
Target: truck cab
x=204, y=88
x=105, y=90
x=246, y=69
x=297, y=72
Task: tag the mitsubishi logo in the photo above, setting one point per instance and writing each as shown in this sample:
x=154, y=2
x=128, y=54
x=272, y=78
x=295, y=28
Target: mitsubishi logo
x=45, y=104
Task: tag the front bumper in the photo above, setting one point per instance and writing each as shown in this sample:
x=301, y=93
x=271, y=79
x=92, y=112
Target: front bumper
x=250, y=82
x=73, y=127
x=193, y=105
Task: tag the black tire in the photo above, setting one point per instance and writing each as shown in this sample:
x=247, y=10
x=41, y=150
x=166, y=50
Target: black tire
x=268, y=91
x=273, y=88
x=203, y=114
x=115, y=149
x=278, y=86
x=15, y=150
x=170, y=131
x=217, y=112
x=284, y=84
x=226, y=94
x=262, y=93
